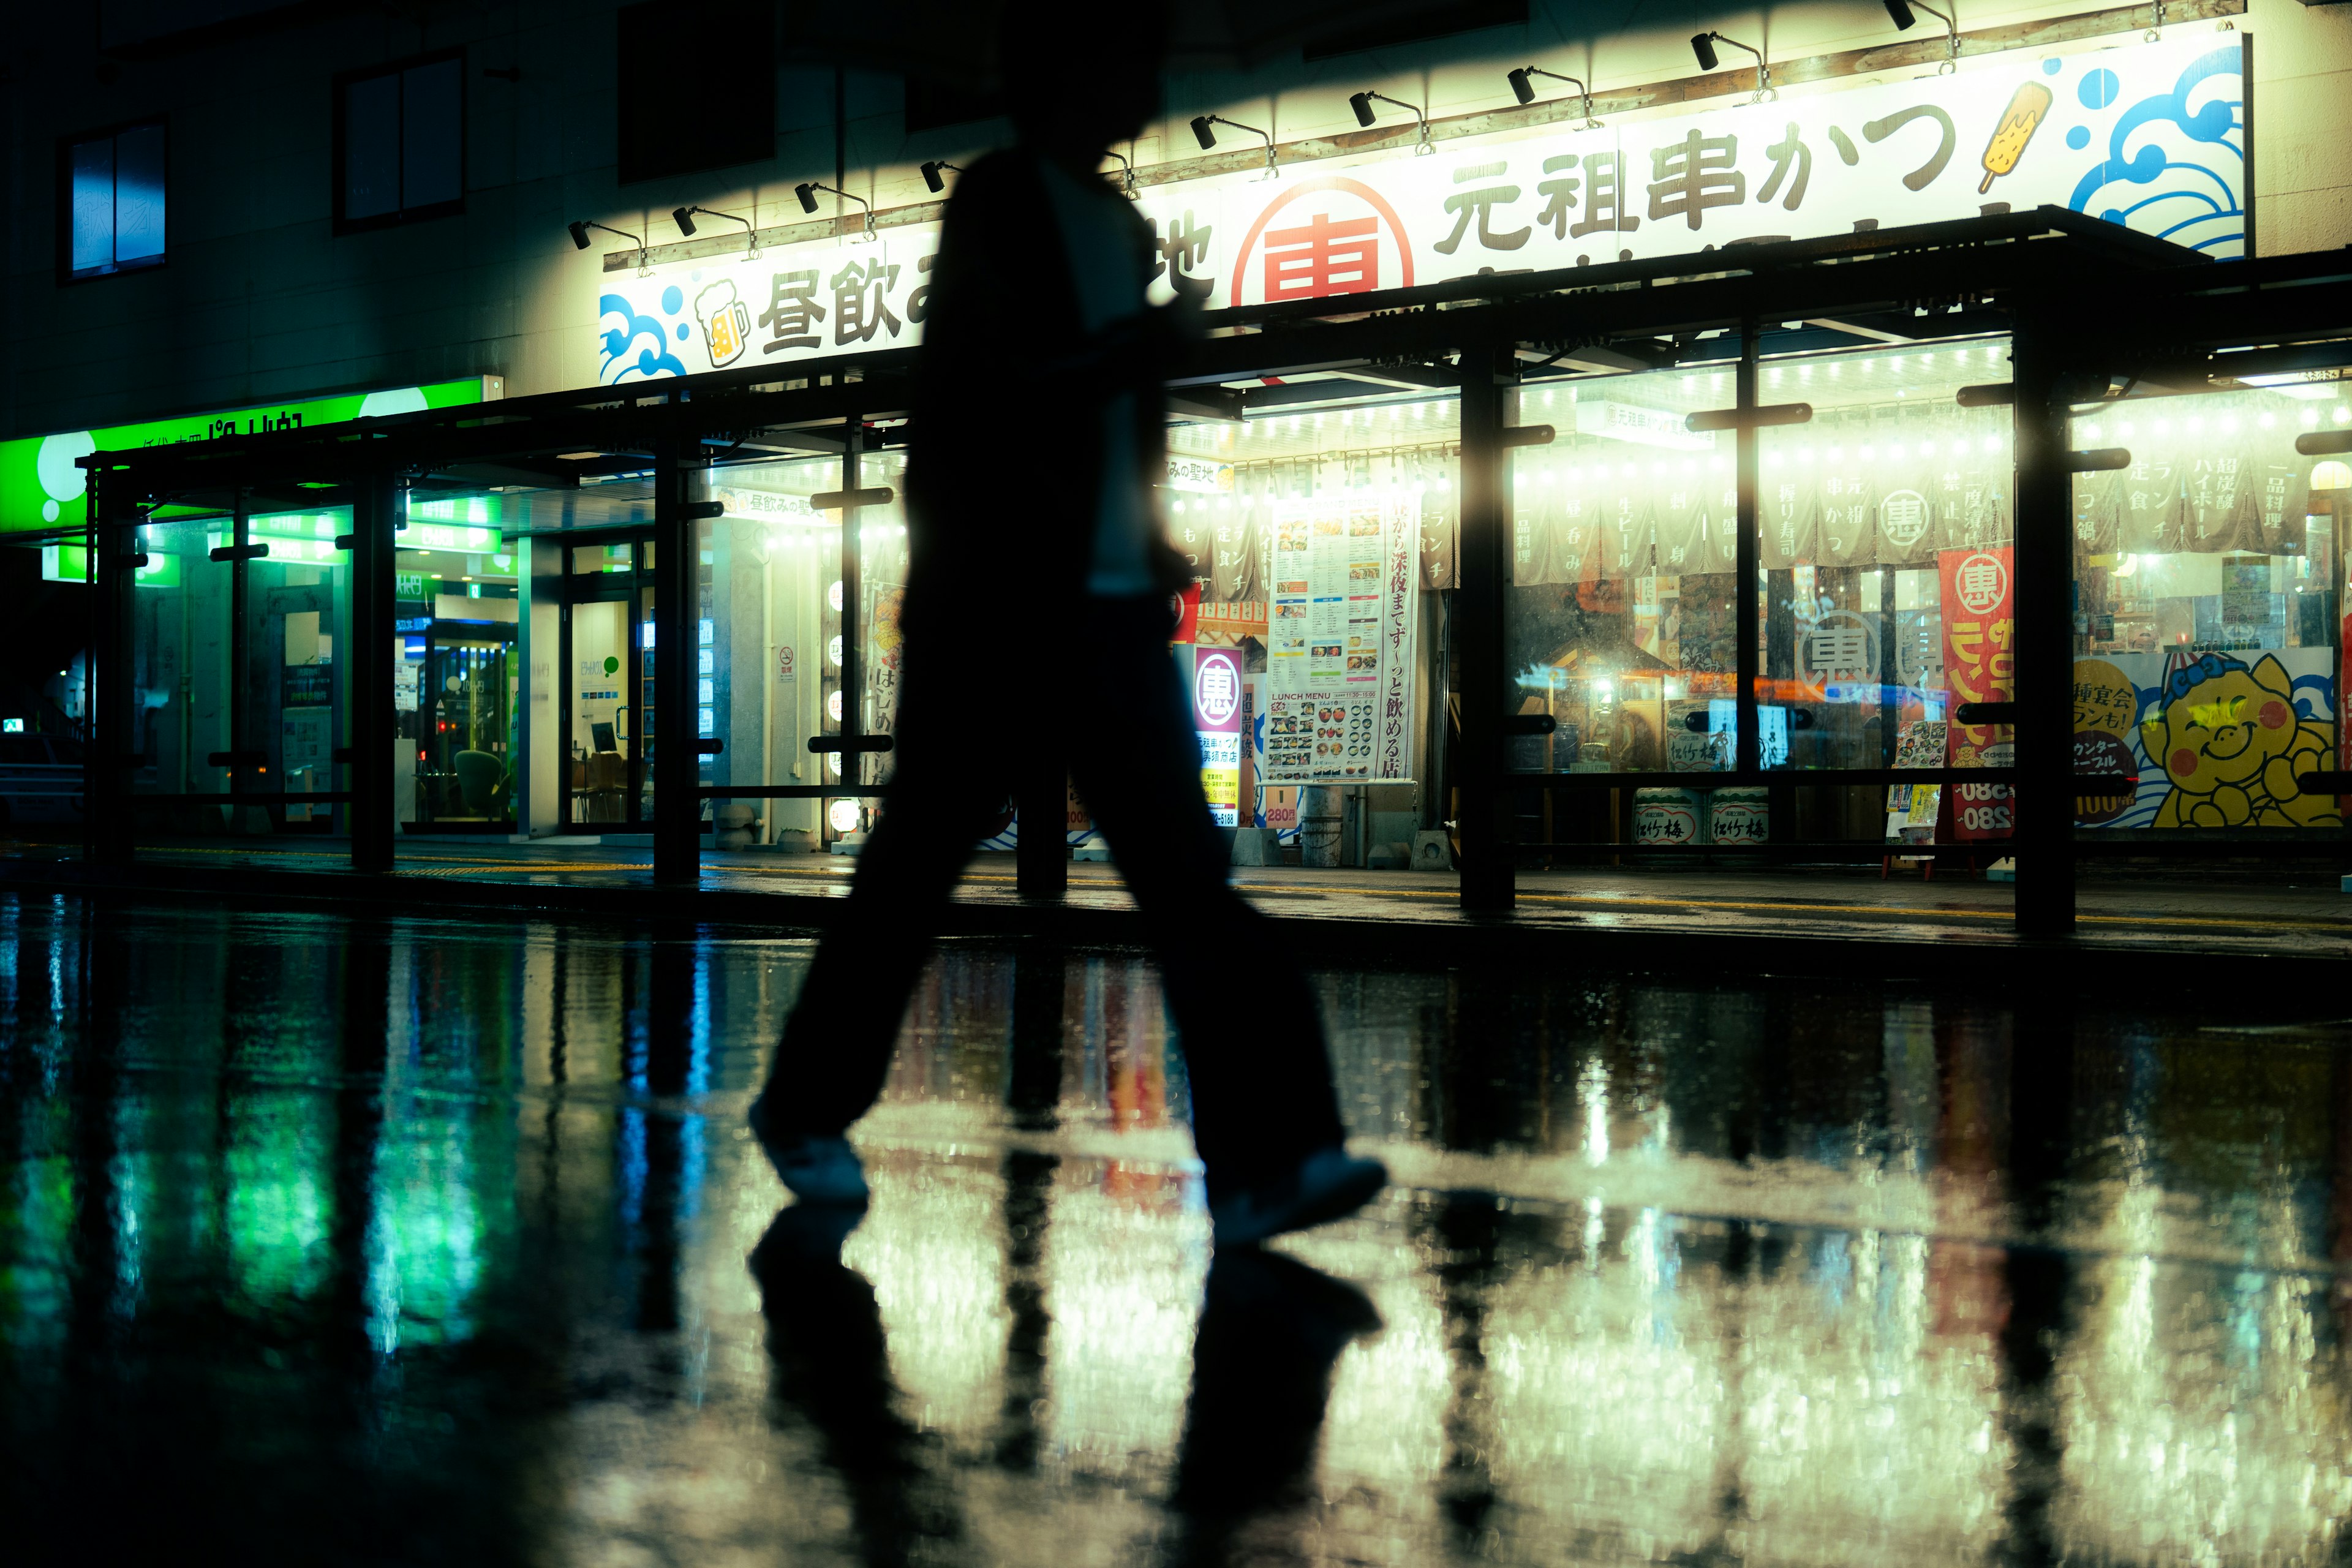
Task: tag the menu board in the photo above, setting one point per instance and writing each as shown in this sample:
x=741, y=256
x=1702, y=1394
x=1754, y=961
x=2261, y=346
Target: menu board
x=1345, y=597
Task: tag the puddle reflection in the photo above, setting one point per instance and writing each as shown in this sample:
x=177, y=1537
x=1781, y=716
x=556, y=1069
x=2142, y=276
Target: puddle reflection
x=429, y=1238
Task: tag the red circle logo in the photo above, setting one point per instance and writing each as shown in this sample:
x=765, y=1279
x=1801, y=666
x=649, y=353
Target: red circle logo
x=1347, y=245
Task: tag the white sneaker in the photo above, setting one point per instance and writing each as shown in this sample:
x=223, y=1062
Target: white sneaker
x=817, y=1169
x=1327, y=1184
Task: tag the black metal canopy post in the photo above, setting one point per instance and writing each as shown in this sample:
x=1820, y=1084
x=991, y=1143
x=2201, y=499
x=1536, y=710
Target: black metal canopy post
x=677, y=794
x=2044, y=627
x=373, y=814
x=1487, y=881
x=110, y=694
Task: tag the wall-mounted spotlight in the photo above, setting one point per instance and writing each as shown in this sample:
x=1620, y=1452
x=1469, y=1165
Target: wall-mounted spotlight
x=1208, y=138
x=1703, y=46
x=1524, y=90
x=1900, y=10
x=1125, y=177
x=579, y=228
x=684, y=218
x=932, y=180
x=807, y=194
x=1361, y=102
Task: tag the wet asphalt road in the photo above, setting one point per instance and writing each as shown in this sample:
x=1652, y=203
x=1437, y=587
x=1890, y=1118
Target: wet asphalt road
x=381, y=1239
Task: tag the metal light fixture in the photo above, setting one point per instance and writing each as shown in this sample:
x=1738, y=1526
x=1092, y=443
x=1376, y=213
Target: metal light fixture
x=579, y=230
x=1703, y=46
x=1361, y=102
x=1524, y=90
x=807, y=194
x=1900, y=10
x=1208, y=138
x=1125, y=177
x=684, y=218
x=932, y=180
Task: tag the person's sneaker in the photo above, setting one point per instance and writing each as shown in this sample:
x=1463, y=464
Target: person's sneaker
x=1327, y=1184
x=818, y=1170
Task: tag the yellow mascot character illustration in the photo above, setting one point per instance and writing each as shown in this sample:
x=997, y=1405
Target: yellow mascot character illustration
x=2232, y=742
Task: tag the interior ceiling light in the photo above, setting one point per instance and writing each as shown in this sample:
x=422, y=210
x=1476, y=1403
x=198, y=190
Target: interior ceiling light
x=1202, y=134
x=1900, y=10
x=1361, y=102
x=684, y=218
x=807, y=194
x=1524, y=90
x=932, y=180
x=1703, y=46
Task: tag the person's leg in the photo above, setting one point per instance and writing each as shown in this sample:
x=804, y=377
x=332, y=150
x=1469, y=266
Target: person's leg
x=1262, y=1094
x=836, y=1050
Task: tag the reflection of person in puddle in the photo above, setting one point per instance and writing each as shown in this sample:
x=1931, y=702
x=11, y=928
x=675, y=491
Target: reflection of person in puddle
x=832, y=1366
x=1271, y=1331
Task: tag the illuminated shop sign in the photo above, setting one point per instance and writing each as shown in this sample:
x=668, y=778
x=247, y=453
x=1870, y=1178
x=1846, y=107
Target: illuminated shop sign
x=41, y=487
x=71, y=563
x=1200, y=474
x=2148, y=135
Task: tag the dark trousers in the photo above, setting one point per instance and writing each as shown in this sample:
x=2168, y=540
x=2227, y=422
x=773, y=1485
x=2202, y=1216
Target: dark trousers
x=1261, y=1080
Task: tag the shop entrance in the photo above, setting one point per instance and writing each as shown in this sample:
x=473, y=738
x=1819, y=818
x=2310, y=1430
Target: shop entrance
x=608, y=684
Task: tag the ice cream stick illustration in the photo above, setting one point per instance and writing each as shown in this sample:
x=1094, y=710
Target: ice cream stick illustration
x=2018, y=122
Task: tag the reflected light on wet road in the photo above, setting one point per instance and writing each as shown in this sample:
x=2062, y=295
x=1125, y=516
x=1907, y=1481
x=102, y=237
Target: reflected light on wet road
x=394, y=1239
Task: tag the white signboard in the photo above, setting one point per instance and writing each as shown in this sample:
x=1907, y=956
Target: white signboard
x=2148, y=135
x=1340, y=643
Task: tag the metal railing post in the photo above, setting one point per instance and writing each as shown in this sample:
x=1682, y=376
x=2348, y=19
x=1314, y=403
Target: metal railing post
x=373, y=814
x=1488, y=873
x=678, y=782
x=2043, y=634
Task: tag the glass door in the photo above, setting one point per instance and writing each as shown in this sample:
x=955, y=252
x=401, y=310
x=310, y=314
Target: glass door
x=608, y=685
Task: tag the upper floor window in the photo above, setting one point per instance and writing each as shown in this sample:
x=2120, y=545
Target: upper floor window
x=111, y=194
x=400, y=143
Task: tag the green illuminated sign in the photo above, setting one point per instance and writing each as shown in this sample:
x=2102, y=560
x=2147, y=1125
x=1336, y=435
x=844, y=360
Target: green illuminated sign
x=71, y=563
x=41, y=488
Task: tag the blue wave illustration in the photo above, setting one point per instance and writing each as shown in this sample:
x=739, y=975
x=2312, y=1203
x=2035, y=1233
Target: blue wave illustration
x=2201, y=203
x=617, y=364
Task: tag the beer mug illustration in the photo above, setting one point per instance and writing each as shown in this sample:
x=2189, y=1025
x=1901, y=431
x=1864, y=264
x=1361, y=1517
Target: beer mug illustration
x=726, y=324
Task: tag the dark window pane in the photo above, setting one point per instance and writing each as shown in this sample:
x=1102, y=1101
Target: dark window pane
x=138, y=195
x=93, y=203
x=371, y=147
x=669, y=121
x=432, y=114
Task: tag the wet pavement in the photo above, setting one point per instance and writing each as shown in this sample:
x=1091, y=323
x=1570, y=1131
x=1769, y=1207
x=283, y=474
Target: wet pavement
x=378, y=1239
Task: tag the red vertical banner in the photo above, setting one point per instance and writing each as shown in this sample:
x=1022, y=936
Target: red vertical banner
x=1978, y=612
x=1188, y=615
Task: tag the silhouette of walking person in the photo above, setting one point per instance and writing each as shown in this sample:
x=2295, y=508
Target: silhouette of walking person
x=1038, y=302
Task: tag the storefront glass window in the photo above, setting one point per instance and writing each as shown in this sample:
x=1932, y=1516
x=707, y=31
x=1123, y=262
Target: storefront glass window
x=1887, y=567
x=1619, y=614
x=2208, y=578
x=1323, y=549
x=775, y=612
x=457, y=609
x=269, y=729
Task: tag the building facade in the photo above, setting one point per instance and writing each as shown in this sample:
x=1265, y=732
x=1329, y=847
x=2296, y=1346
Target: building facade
x=1525, y=351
